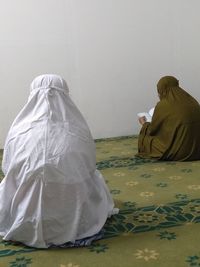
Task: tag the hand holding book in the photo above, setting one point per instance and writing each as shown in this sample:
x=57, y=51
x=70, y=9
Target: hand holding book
x=145, y=116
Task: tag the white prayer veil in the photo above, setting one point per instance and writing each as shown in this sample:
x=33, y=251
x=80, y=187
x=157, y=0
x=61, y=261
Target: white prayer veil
x=52, y=192
x=48, y=104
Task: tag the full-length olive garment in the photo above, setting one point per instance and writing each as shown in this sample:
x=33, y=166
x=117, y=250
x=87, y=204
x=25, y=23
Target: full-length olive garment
x=174, y=133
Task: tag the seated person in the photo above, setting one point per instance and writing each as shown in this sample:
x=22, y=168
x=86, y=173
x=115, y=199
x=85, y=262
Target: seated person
x=52, y=193
x=173, y=133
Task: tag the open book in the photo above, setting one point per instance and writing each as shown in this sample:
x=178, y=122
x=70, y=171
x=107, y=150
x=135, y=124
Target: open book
x=148, y=115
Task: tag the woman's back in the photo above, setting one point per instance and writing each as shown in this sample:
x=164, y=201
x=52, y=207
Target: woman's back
x=173, y=132
x=51, y=187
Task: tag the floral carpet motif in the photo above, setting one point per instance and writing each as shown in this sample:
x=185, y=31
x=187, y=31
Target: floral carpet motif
x=158, y=222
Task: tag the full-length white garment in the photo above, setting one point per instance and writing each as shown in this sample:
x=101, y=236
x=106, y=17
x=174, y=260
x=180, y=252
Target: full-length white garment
x=52, y=192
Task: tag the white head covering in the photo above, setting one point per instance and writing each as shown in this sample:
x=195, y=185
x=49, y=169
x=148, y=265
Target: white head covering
x=52, y=192
x=49, y=81
x=49, y=99
x=48, y=103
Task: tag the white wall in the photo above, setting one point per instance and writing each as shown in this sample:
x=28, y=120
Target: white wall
x=111, y=52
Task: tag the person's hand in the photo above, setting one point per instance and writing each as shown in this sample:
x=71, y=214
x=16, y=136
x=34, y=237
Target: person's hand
x=142, y=120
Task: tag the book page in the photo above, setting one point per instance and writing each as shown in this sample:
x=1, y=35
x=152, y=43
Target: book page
x=146, y=115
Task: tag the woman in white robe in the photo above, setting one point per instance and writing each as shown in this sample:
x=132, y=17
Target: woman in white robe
x=52, y=192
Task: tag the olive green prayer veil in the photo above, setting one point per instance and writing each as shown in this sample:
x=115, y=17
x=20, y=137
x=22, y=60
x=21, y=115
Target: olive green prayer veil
x=173, y=133
x=165, y=84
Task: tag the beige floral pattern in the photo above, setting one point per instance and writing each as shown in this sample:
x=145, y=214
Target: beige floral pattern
x=120, y=174
x=147, y=194
x=194, y=187
x=146, y=254
x=132, y=183
x=70, y=264
x=148, y=218
x=175, y=177
x=189, y=224
x=127, y=234
x=159, y=169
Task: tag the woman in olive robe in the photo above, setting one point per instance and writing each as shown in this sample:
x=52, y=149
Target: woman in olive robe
x=174, y=132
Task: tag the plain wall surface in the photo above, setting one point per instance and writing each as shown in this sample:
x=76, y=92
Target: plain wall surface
x=111, y=53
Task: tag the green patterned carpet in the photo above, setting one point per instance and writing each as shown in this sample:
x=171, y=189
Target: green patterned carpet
x=158, y=224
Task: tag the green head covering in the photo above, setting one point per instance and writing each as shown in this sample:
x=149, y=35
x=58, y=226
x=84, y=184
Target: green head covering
x=165, y=84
